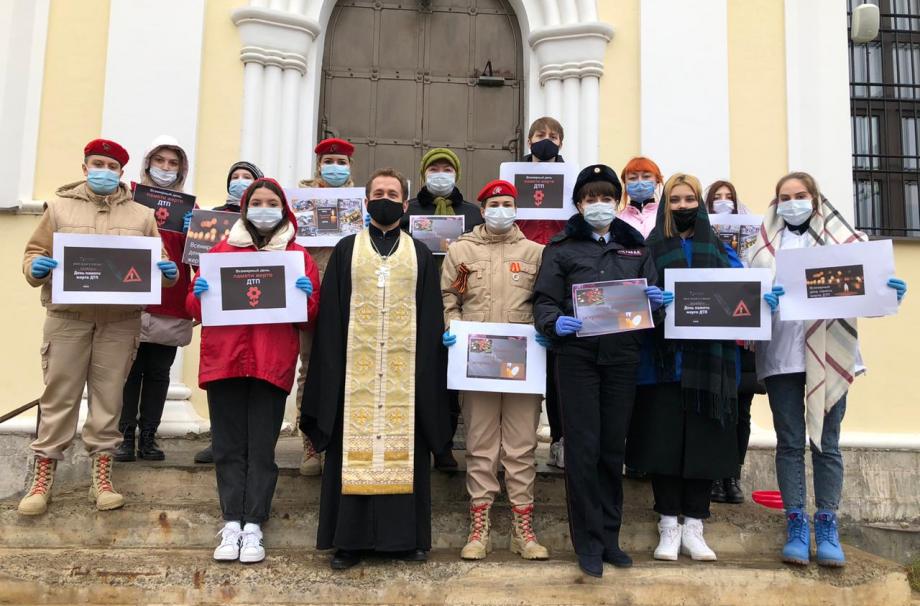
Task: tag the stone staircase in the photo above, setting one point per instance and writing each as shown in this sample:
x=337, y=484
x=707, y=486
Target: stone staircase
x=157, y=550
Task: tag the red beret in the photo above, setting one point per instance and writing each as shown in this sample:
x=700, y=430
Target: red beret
x=334, y=146
x=109, y=149
x=497, y=188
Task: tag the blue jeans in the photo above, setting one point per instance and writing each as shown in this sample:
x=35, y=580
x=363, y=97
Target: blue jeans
x=787, y=401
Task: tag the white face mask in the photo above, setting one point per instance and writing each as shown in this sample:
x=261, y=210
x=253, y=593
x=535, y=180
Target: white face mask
x=163, y=178
x=264, y=218
x=499, y=219
x=723, y=207
x=440, y=184
x=599, y=215
x=795, y=212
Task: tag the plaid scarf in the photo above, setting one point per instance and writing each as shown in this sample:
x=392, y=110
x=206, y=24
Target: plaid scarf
x=830, y=345
x=708, y=368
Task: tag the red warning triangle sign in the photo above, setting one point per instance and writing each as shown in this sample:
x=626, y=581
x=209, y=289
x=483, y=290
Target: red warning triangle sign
x=741, y=311
x=132, y=276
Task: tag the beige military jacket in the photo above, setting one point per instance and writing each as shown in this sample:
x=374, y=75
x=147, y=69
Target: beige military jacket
x=77, y=210
x=490, y=277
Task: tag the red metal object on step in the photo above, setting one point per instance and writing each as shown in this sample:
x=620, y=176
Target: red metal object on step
x=768, y=498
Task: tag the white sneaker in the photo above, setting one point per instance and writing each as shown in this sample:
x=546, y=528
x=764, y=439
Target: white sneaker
x=692, y=542
x=557, y=454
x=252, y=550
x=229, y=548
x=668, y=542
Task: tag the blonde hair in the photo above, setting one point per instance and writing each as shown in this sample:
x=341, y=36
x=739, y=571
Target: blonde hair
x=668, y=228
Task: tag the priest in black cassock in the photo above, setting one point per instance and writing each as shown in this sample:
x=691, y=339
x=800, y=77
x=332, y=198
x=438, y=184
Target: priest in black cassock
x=375, y=399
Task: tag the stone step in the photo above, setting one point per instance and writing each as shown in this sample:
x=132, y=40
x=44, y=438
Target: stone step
x=88, y=576
x=72, y=521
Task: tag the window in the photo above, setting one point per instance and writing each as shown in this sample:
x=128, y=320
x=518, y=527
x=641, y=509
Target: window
x=885, y=122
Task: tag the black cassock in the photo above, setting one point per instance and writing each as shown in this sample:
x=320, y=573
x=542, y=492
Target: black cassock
x=378, y=522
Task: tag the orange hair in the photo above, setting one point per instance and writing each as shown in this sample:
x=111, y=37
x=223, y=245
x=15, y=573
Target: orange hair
x=641, y=164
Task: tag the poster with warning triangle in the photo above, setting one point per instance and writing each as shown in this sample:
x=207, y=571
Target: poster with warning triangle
x=718, y=304
x=102, y=269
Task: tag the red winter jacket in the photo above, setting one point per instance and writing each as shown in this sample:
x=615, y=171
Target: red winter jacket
x=172, y=300
x=262, y=351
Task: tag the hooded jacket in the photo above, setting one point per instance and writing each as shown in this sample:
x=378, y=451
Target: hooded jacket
x=168, y=323
x=575, y=257
x=261, y=351
x=499, y=286
x=77, y=210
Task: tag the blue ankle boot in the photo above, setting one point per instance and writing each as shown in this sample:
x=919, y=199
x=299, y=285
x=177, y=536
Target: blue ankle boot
x=798, y=539
x=830, y=552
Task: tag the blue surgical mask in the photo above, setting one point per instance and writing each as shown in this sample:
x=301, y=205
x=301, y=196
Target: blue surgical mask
x=238, y=187
x=795, y=212
x=599, y=214
x=641, y=191
x=264, y=218
x=163, y=178
x=335, y=175
x=102, y=181
x=440, y=184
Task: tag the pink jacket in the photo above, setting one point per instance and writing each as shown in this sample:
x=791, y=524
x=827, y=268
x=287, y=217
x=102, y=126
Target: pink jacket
x=643, y=220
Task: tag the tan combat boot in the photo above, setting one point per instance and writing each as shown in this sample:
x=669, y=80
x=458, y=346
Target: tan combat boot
x=312, y=463
x=36, y=500
x=101, y=490
x=479, y=543
x=523, y=538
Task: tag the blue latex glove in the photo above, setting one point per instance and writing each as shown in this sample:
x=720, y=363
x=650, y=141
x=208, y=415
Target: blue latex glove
x=448, y=339
x=655, y=297
x=772, y=298
x=567, y=325
x=42, y=266
x=201, y=285
x=367, y=220
x=895, y=283
x=186, y=221
x=667, y=297
x=543, y=340
x=169, y=269
x=305, y=284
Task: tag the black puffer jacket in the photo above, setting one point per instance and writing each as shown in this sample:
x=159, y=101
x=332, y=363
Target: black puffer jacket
x=574, y=257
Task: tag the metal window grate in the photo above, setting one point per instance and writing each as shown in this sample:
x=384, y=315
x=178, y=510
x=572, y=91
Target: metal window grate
x=885, y=122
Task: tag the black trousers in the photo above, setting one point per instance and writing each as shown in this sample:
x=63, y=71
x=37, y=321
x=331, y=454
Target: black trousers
x=146, y=386
x=596, y=403
x=744, y=426
x=553, y=413
x=246, y=416
x=676, y=496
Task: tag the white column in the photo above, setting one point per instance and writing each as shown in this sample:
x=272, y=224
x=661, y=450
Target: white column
x=684, y=117
x=276, y=43
x=252, y=111
x=589, y=142
x=571, y=98
x=818, y=97
x=553, y=94
x=271, y=119
x=290, y=114
x=570, y=59
x=587, y=10
x=24, y=31
x=551, y=12
x=162, y=98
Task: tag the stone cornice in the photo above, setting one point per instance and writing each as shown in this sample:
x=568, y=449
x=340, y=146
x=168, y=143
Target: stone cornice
x=571, y=51
x=273, y=37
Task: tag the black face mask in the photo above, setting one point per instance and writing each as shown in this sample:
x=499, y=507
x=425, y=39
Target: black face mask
x=385, y=211
x=545, y=150
x=685, y=218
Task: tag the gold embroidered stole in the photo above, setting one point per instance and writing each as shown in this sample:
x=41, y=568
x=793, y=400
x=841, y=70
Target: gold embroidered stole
x=379, y=422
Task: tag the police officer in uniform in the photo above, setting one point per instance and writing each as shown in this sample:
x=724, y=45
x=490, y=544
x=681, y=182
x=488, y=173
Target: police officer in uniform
x=596, y=375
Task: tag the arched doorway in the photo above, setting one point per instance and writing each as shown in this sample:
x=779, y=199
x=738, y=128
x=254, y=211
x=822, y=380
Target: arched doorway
x=401, y=77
